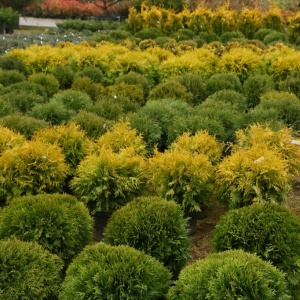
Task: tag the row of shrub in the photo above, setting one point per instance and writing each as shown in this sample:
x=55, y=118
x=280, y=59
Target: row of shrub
x=146, y=244
x=110, y=171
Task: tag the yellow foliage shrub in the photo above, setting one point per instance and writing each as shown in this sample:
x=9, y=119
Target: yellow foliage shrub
x=200, y=20
x=9, y=139
x=255, y=174
x=240, y=61
x=281, y=141
x=200, y=143
x=273, y=19
x=121, y=136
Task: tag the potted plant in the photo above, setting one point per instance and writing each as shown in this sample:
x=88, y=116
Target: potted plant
x=9, y=20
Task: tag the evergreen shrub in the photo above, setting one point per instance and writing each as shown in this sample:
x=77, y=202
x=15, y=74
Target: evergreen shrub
x=274, y=37
x=32, y=168
x=262, y=33
x=28, y=271
x=232, y=274
x=233, y=35
x=103, y=271
x=59, y=223
x=256, y=174
x=64, y=75
x=10, y=62
x=8, y=77
x=153, y=225
x=268, y=230
x=23, y=124
x=223, y=81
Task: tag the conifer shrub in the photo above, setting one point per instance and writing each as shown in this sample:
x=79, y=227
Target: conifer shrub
x=163, y=112
x=147, y=128
x=256, y=174
x=291, y=84
x=107, y=180
x=209, y=37
x=32, y=168
x=9, y=139
x=117, y=272
x=234, y=274
x=232, y=35
x=73, y=100
x=268, y=230
x=25, y=86
x=122, y=136
x=256, y=85
x=223, y=81
x=109, y=109
x=91, y=72
x=72, y=140
x=149, y=33
x=8, y=77
x=126, y=94
x=134, y=78
x=224, y=113
x=86, y=85
x=59, y=223
x=47, y=81
x=64, y=75
x=53, y=112
x=237, y=99
x=294, y=27
x=153, y=225
x=22, y=101
x=262, y=33
x=23, y=124
x=6, y=108
x=285, y=105
x=181, y=176
x=201, y=142
x=282, y=141
x=273, y=20
x=28, y=271
x=275, y=37
x=170, y=89
x=194, y=84
x=195, y=122
x=10, y=62
x=249, y=22
x=93, y=125
x=224, y=20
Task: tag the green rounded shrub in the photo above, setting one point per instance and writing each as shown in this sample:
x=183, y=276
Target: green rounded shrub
x=102, y=271
x=73, y=100
x=291, y=84
x=108, y=180
x=93, y=125
x=228, y=36
x=149, y=33
x=48, y=81
x=64, y=75
x=109, y=109
x=256, y=85
x=6, y=108
x=283, y=105
x=12, y=63
x=194, y=84
x=86, y=85
x=256, y=174
x=133, y=78
x=28, y=271
x=231, y=274
x=23, y=124
x=268, y=230
x=32, y=168
x=275, y=37
x=94, y=73
x=223, y=81
x=54, y=112
x=59, y=223
x=153, y=225
x=8, y=77
x=233, y=97
x=23, y=101
x=262, y=33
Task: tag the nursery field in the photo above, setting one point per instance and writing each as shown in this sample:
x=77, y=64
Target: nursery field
x=152, y=122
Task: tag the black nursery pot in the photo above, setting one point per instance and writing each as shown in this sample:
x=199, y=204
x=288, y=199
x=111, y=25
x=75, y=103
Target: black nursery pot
x=101, y=220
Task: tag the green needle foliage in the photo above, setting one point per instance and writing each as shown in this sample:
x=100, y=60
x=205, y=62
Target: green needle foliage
x=105, y=272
